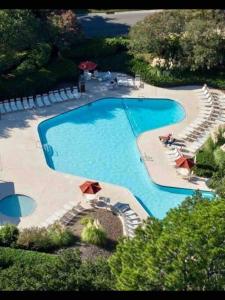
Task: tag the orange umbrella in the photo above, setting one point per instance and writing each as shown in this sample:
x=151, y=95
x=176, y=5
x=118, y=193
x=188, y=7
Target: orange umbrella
x=87, y=65
x=184, y=162
x=90, y=187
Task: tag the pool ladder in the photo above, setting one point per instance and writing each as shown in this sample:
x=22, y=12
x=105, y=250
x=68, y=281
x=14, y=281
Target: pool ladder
x=48, y=149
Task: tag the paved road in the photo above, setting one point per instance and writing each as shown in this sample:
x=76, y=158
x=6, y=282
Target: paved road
x=101, y=24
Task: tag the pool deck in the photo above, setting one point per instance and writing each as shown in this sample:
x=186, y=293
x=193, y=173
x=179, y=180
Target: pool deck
x=23, y=168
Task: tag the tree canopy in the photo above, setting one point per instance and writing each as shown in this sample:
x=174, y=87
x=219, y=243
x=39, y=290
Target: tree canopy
x=184, y=251
x=188, y=39
x=22, y=270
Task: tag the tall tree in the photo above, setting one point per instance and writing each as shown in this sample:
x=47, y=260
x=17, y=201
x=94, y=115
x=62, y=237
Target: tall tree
x=191, y=39
x=184, y=251
x=19, y=29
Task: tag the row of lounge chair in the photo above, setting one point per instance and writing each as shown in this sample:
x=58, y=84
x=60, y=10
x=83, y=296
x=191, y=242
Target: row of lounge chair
x=130, y=218
x=26, y=103
x=212, y=113
x=65, y=216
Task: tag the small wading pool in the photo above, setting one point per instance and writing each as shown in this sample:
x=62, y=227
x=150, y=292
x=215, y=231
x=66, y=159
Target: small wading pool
x=17, y=206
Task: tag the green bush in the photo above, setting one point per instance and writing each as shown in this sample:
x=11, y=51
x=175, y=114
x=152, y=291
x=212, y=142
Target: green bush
x=42, y=239
x=35, y=59
x=40, y=81
x=8, y=235
x=35, y=238
x=61, y=237
x=11, y=59
x=205, y=163
x=93, y=234
x=96, y=48
x=10, y=256
x=85, y=220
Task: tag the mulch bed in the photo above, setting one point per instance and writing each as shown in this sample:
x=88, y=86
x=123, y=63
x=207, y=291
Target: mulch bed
x=111, y=224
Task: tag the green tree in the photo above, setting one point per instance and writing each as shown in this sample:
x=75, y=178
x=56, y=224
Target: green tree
x=8, y=235
x=188, y=39
x=62, y=272
x=19, y=29
x=184, y=251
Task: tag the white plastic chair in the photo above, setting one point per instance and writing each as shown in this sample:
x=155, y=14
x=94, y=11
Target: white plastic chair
x=58, y=96
x=63, y=95
x=25, y=103
x=52, y=97
x=7, y=106
x=19, y=104
x=2, y=109
x=13, y=105
x=39, y=101
x=31, y=102
x=46, y=99
x=69, y=94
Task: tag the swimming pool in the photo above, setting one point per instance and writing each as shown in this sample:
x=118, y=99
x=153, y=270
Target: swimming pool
x=17, y=205
x=98, y=141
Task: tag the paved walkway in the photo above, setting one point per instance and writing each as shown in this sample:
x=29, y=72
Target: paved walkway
x=23, y=168
x=102, y=24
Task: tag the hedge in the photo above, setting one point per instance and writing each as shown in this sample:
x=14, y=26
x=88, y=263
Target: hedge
x=9, y=256
x=40, y=81
x=96, y=48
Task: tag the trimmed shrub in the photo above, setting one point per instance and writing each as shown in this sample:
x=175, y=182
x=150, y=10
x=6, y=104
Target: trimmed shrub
x=93, y=234
x=10, y=256
x=8, y=235
x=40, y=81
x=97, y=48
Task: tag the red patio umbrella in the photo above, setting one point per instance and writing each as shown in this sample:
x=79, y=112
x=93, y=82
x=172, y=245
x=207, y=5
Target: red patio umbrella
x=90, y=187
x=185, y=162
x=87, y=65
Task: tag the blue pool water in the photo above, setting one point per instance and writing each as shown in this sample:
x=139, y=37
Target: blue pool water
x=98, y=141
x=17, y=205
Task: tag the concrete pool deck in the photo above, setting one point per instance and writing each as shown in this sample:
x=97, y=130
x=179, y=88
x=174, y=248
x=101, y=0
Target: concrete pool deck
x=23, y=168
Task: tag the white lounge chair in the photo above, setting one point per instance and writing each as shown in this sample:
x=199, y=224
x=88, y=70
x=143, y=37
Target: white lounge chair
x=69, y=94
x=31, y=102
x=52, y=97
x=63, y=95
x=87, y=75
x=2, y=109
x=58, y=96
x=39, y=101
x=69, y=206
x=7, y=106
x=46, y=99
x=129, y=212
x=25, y=103
x=132, y=217
x=75, y=92
x=13, y=105
x=19, y=104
